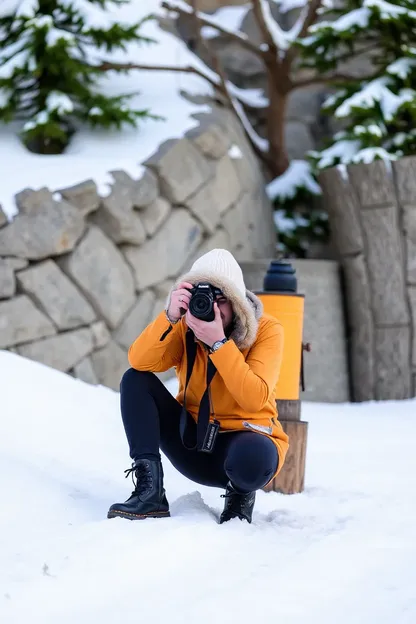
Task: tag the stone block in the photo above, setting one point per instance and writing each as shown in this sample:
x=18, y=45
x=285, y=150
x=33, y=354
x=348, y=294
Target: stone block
x=21, y=321
x=409, y=219
x=225, y=186
x=393, y=364
x=7, y=280
x=141, y=192
x=56, y=295
x=146, y=190
x=299, y=139
x=204, y=206
x=110, y=363
x=164, y=255
x=219, y=240
x=61, y=352
x=385, y=261
x=16, y=264
x=237, y=223
x=100, y=271
x=136, y=320
x=84, y=196
x=210, y=139
x=343, y=209
x=405, y=171
x=100, y=334
x=412, y=301
x=155, y=214
x=373, y=183
x=29, y=201
x=117, y=218
x=84, y=371
x=3, y=218
x=181, y=169
x=42, y=230
x=358, y=297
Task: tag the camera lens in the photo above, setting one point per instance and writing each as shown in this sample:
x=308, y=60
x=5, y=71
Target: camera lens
x=200, y=305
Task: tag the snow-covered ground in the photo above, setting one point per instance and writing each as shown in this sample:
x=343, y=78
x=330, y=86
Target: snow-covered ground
x=343, y=551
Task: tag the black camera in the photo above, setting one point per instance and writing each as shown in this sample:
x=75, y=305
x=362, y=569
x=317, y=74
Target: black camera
x=201, y=304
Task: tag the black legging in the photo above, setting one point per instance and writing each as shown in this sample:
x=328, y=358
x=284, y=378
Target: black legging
x=151, y=421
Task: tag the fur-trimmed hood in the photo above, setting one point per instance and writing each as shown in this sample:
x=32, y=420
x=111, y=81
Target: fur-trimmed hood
x=219, y=268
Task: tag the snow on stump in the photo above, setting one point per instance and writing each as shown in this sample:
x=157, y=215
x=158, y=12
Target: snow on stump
x=372, y=214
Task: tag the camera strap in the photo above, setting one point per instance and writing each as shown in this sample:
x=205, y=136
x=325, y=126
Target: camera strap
x=205, y=432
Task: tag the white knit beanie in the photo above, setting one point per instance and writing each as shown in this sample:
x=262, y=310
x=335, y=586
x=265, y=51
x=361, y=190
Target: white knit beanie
x=221, y=263
x=219, y=268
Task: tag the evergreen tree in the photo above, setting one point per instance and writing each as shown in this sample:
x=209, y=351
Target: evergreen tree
x=50, y=65
x=378, y=112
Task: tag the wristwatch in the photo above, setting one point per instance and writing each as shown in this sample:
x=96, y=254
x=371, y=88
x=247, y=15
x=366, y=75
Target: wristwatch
x=218, y=344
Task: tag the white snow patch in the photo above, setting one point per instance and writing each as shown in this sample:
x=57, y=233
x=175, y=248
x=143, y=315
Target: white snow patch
x=59, y=102
x=401, y=68
x=298, y=175
x=350, y=537
x=289, y=5
x=376, y=91
x=235, y=152
x=369, y=154
x=229, y=18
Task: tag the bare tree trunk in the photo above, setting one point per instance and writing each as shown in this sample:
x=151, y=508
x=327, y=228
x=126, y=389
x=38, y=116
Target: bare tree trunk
x=278, y=160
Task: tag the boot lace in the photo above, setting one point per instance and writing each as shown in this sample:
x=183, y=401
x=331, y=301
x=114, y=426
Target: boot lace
x=141, y=478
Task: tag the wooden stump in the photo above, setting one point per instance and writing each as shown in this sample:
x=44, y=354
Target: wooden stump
x=291, y=479
x=288, y=410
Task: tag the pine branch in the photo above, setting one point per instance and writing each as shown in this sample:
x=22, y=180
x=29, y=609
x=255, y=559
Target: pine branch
x=240, y=37
x=188, y=69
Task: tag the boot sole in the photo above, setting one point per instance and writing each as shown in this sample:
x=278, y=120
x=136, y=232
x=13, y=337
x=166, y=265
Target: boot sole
x=132, y=516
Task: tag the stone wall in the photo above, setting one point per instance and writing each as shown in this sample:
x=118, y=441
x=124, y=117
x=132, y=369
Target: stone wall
x=372, y=210
x=81, y=275
x=326, y=366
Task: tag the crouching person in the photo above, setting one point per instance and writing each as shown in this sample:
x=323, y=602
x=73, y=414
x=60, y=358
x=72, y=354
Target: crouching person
x=222, y=429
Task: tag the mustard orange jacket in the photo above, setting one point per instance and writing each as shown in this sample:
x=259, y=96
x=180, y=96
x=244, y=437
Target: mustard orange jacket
x=242, y=390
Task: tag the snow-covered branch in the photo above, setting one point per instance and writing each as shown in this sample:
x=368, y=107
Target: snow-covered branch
x=181, y=8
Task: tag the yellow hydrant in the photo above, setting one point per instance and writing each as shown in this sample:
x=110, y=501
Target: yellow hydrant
x=281, y=300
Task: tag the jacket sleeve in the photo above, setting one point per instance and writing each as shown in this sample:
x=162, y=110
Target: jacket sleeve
x=251, y=381
x=158, y=348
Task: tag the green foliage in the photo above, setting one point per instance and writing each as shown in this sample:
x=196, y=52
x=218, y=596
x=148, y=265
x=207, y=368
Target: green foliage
x=378, y=112
x=51, y=70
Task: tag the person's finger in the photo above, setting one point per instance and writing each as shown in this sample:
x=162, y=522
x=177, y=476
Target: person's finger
x=217, y=311
x=183, y=295
x=184, y=285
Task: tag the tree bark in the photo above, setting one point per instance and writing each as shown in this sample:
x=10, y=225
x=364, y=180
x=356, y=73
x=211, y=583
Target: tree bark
x=276, y=115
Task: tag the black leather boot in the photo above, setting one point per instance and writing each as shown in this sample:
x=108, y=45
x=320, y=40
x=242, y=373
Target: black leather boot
x=237, y=504
x=148, y=500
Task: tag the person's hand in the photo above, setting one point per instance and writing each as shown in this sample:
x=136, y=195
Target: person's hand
x=179, y=301
x=207, y=332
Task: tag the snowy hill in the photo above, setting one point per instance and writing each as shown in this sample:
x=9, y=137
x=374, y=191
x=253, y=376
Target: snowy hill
x=343, y=551
x=94, y=153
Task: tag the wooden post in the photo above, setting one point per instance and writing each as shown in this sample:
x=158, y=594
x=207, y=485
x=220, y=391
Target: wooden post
x=291, y=479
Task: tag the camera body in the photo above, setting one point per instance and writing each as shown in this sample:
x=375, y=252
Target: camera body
x=201, y=304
